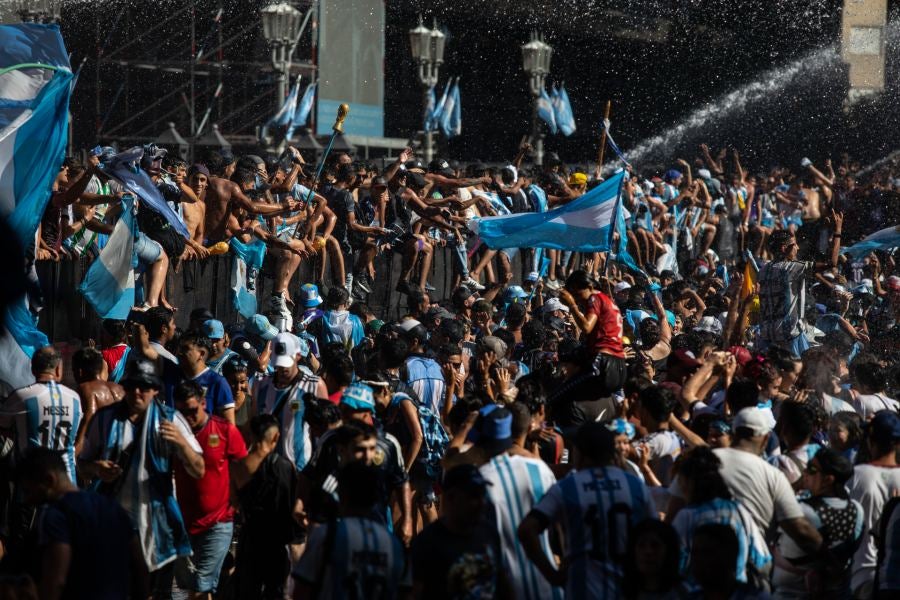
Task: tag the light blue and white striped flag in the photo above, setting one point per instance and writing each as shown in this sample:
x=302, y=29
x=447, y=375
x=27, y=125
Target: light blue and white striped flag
x=108, y=286
x=562, y=112
x=887, y=238
x=437, y=115
x=451, y=119
x=283, y=117
x=585, y=224
x=545, y=111
x=304, y=107
x=35, y=85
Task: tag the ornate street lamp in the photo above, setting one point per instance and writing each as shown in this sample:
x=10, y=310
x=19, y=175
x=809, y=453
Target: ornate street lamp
x=427, y=47
x=536, y=56
x=281, y=25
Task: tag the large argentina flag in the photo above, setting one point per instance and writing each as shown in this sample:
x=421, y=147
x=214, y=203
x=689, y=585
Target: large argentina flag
x=884, y=239
x=35, y=83
x=108, y=286
x=586, y=224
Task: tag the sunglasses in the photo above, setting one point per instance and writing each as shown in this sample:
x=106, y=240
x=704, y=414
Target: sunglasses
x=190, y=412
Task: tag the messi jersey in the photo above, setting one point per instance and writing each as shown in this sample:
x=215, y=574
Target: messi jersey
x=597, y=508
x=44, y=415
x=354, y=558
x=287, y=405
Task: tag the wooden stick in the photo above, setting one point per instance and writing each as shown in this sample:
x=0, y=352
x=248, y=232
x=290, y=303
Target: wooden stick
x=603, y=135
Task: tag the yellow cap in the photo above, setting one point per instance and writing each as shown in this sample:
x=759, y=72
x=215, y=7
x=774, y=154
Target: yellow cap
x=577, y=179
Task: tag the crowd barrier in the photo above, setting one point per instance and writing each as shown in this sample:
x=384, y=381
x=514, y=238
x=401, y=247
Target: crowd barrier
x=67, y=319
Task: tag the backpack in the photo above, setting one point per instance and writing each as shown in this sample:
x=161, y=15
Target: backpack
x=434, y=437
x=880, y=532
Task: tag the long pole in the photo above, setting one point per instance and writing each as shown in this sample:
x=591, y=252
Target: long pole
x=603, y=135
x=429, y=139
x=338, y=127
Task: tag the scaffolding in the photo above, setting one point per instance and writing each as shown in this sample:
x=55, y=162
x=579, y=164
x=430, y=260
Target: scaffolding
x=203, y=62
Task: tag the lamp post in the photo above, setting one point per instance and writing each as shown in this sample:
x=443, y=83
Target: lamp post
x=281, y=26
x=536, y=62
x=427, y=46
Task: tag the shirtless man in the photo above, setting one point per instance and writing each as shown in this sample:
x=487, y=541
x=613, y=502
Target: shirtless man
x=222, y=194
x=807, y=198
x=90, y=372
x=195, y=213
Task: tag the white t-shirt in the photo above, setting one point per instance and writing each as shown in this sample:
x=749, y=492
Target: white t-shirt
x=869, y=404
x=761, y=488
x=872, y=487
x=665, y=447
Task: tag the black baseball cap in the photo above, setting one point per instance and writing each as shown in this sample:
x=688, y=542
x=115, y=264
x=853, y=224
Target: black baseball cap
x=141, y=372
x=414, y=163
x=441, y=167
x=201, y=314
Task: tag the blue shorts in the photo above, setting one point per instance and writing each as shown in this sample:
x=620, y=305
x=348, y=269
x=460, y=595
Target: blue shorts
x=200, y=572
x=148, y=251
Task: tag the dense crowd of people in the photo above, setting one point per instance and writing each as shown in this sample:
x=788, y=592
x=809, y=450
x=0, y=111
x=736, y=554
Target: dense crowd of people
x=718, y=422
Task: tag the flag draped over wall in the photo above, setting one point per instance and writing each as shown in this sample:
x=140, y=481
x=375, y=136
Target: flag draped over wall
x=108, y=286
x=35, y=85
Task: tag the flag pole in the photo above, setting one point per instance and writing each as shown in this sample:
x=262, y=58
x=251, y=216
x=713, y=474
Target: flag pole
x=338, y=127
x=603, y=134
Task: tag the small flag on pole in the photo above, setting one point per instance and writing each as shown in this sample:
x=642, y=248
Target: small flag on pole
x=562, y=111
x=451, y=119
x=304, y=107
x=545, y=111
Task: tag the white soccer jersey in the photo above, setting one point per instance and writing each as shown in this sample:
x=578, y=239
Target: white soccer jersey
x=286, y=404
x=44, y=414
x=517, y=484
x=597, y=508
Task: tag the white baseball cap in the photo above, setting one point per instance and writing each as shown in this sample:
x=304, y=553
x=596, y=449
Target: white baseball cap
x=555, y=304
x=753, y=419
x=622, y=285
x=285, y=348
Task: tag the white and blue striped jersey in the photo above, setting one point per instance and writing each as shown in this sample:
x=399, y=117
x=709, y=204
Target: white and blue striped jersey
x=752, y=546
x=362, y=560
x=597, y=508
x=287, y=405
x=425, y=377
x=44, y=414
x=517, y=485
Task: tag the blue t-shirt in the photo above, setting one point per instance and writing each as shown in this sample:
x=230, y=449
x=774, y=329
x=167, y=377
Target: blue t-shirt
x=215, y=388
x=99, y=532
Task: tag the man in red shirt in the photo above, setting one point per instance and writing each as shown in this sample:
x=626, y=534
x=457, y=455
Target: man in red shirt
x=205, y=502
x=599, y=319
